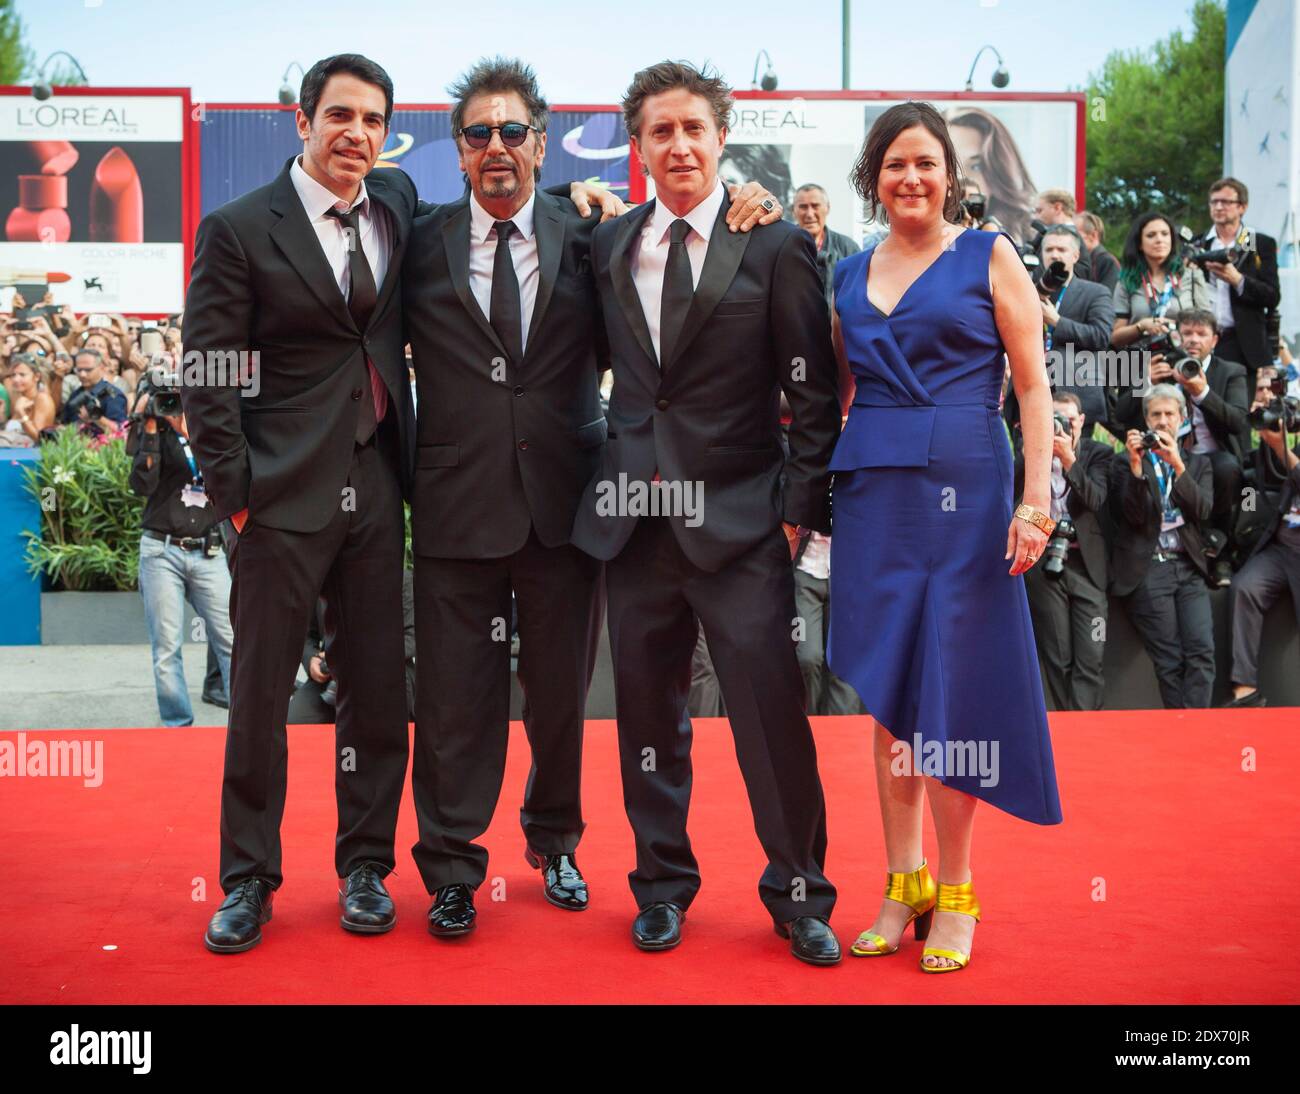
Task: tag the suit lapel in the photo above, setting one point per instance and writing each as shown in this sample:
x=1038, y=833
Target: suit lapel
x=548, y=229
x=455, y=241
x=721, y=261
x=397, y=226
x=620, y=272
x=298, y=242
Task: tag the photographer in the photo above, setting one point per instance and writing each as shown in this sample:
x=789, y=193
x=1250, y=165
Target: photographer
x=1244, y=286
x=1077, y=319
x=1054, y=207
x=98, y=406
x=1154, y=285
x=180, y=547
x=1160, y=503
x=1105, y=266
x=974, y=209
x=1274, y=562
x=1067, y=586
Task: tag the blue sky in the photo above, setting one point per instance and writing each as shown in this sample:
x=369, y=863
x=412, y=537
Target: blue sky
x=237, y=50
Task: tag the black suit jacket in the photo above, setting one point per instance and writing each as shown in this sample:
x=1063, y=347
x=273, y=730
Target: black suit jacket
x=261, y=283
x=1226, y=408
x=1089, y=479
x=757, y=326
x=502, y=447
x=1260, y=292
x=1087, y=314
x=1138, y=510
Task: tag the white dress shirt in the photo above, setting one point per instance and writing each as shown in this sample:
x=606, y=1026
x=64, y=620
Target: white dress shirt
x=523, y=254
x=1202, y=439
x=1221, y=289
x=376, y=238
x=649, y=261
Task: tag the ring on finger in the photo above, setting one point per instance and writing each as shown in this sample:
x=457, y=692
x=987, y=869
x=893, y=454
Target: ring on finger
x=767, y=204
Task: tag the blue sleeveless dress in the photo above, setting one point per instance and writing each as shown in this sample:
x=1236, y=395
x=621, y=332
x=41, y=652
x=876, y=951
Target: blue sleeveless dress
x=926, y=623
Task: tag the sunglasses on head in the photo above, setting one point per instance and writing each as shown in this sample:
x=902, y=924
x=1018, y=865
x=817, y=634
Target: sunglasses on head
x=513, y=134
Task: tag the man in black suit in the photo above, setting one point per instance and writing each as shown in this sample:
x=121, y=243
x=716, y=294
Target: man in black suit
x=1077, y=320
x=311, y=468
x=1273, y=566
x=1104, y=265
x=706, y=329
x=508, y=345
x=1161, y=502
x=1245, y=288
x=1068, y=601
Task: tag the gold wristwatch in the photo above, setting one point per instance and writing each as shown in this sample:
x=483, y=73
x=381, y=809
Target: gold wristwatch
x=1037, y=519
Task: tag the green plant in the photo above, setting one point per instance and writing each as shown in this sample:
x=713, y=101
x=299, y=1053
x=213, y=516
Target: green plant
x=90, y=518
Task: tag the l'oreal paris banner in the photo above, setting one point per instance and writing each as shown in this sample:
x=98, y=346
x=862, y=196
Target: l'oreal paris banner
x=1011, y=148
x=91, y=190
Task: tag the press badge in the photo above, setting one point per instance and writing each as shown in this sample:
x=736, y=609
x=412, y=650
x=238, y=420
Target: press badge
x=1292, y=518
x=1173, y=518
x=193, y=496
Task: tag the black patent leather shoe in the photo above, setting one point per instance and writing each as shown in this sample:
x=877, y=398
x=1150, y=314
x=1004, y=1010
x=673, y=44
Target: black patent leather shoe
x=237, y=924
x=562, y=881
x=811, y=940
x=1250, y=699
x=367, y=907
x=453, y=911
x=658, y=926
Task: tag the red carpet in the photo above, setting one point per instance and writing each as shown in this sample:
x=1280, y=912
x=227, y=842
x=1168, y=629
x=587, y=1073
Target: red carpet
x=1197, y=857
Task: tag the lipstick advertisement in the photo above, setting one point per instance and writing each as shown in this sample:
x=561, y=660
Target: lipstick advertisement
x=92, y=194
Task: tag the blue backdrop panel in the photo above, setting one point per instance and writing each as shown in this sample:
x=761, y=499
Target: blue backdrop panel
x=244, y=149
x=20, y=593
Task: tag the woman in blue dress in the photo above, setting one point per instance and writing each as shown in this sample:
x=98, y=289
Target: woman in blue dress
x=929, y=619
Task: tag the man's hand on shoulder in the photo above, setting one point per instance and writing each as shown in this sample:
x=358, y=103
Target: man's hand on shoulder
x=748, y=207
x=584, y=195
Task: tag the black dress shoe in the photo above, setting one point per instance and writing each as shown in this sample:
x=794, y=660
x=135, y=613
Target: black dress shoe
x=1251, y=699
x=216, y=700
x=562, y=881
x=658, y=926
x=453, y=912
x=811, y=940
x=367, y=907
x=237, y=924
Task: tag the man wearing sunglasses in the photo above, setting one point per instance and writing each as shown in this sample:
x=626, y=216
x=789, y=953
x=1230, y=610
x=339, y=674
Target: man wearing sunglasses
x=505, y=331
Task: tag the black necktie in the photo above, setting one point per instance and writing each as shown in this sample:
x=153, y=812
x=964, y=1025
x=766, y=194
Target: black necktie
x=678, y=290
x=505, y=308
x=362, y=297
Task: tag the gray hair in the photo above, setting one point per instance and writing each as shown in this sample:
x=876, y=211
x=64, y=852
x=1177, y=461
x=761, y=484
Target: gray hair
x=814, y=186
x=1064, y=230
x=1165, y=391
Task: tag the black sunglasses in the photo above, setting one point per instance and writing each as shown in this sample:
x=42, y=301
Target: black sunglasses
x=513, y=134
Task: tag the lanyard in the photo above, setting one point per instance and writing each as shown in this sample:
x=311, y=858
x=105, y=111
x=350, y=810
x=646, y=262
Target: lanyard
x=1159, y=302
x=196, y=476
x=1165, y=480
x=1047, y=331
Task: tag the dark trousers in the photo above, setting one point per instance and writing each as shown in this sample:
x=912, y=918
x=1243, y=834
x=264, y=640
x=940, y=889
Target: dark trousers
x=462, y=700
x=1227, y=482
x=1255, y=589
x=355, y=565
x=1069, y=615
x=705, y=699
x=1171, y=610
x=825, y=693
x=655, y=595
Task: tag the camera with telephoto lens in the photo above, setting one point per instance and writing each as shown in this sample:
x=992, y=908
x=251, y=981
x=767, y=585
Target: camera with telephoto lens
x=976, y=205
x=164, y=391
x=85, y=399
x=1282, y=412
x=1226, y=255
x=1058, y=547
x=1054, y=278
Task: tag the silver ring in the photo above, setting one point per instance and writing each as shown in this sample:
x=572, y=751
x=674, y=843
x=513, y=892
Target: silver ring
x=767, y=204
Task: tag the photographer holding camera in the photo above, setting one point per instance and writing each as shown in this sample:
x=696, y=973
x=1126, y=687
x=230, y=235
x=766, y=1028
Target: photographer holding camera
x=1105, y=266
x=1053, y=208
x=1067, y=586
x=181, y=556
x=97, y=406
x=1160, y=504
x=1243, y=277
x=1274, y=560
x=1077, y=319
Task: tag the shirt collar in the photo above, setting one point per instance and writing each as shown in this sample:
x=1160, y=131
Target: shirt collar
x=317, y=200
x=481, y=220
x=701, y=218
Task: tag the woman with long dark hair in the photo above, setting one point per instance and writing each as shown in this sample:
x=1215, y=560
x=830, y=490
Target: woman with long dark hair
x=1154, y=285
x=990, y=158
x=929, y=623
